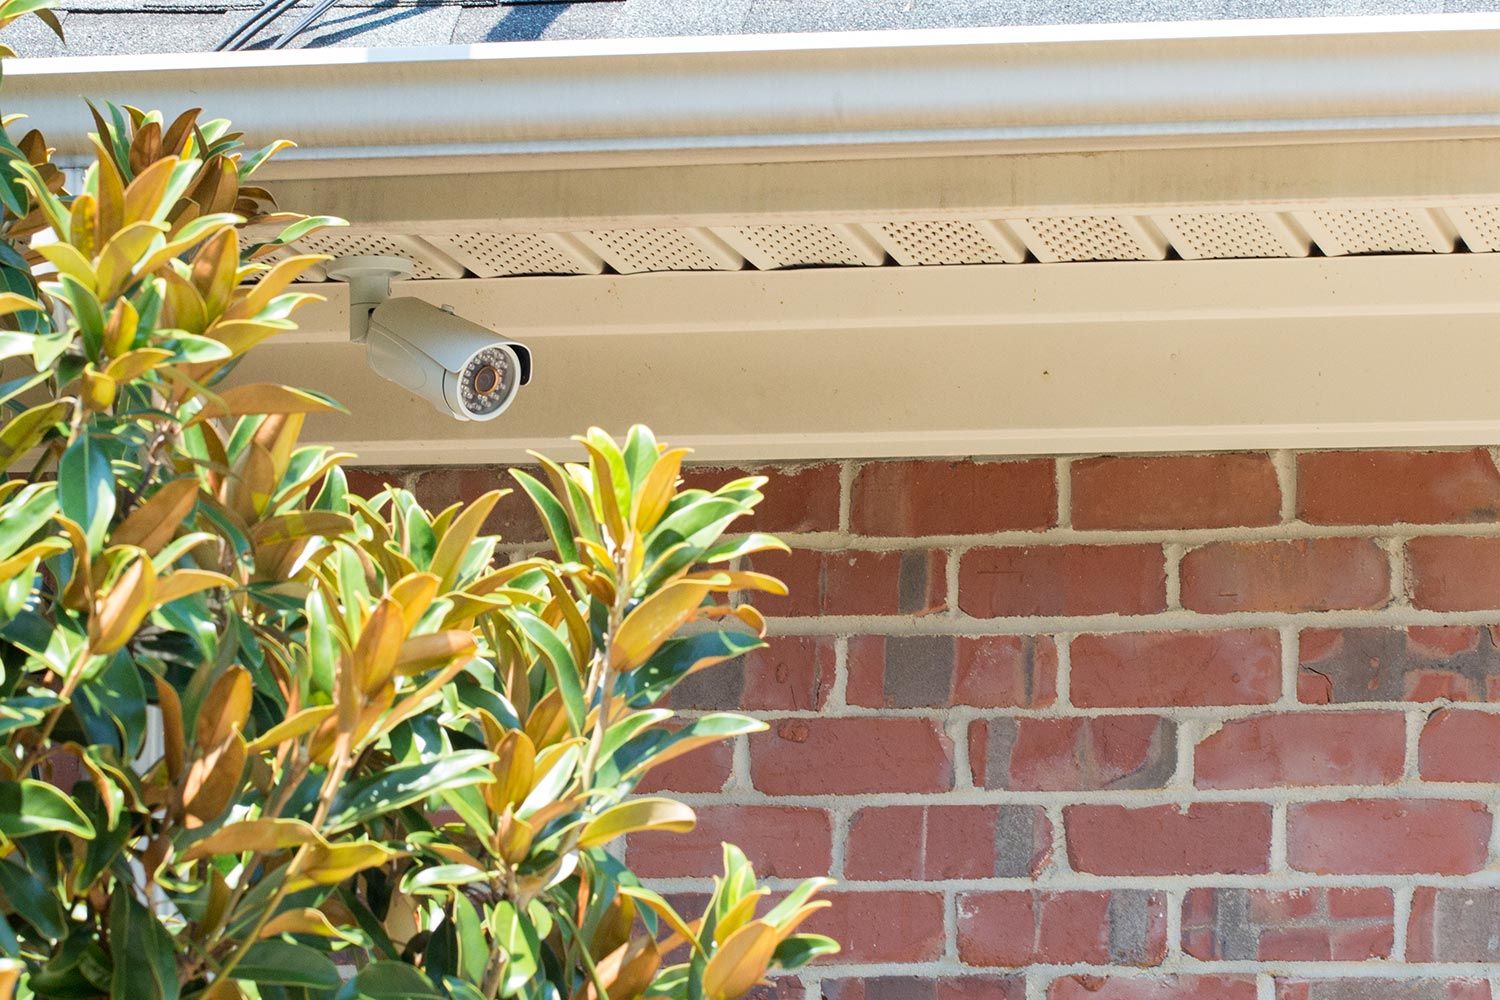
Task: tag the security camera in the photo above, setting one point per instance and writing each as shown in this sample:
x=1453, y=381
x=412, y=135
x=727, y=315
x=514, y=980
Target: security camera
x=463, y=369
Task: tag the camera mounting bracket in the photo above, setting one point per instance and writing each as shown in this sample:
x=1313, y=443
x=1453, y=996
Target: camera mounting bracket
x=369, y=277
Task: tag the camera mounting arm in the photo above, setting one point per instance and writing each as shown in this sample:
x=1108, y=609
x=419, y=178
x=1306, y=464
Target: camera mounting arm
x=369, y=277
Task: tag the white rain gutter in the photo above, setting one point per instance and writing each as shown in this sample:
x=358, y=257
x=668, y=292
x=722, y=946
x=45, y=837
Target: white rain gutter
x=822, y=95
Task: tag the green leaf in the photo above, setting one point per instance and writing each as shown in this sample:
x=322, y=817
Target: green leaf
x=87, y=311
x=563, y=668
x=514, y=935
x=145, y=965
x=559, y=528
x=395, y=787
x=640, y=454
x=460, y=990
x=550, y=785
x=441, y=875
x=86, y=489
x=32, y=901
x=699, y=524
x=322, y=647
x=737, y=883
x=30, y=807
x=24, y=515
x=643, y=749
x=299, y=229
x=386, y=980
x=676, y=658
x=473, y=949
x=111, y=706
x=79, y=968
x=281, y=963
x=799, y=949
x=22, y=713
x=189, y=348
x=14, y=344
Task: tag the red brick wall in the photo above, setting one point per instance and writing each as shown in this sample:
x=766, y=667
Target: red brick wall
x=1208, y=727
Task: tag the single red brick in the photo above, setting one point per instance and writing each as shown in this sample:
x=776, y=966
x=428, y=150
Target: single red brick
x=1014, y=929
x=1166, y=669
x=1317, y=574
x=1454, y=574
x=797, y=498
x=514, y=518
x=851, y=756
x=936, y=671
x=1420, y=663
x=1062, y=580
x=789, y=673
x=917, y=988
x=1205, y=838
x=781, y=842
x=1382, y=989
x=1321, y=748
x=912, y=582
x=1176, y=491
x=882, y=926
x=1073, y=754
x=946, y=842
x=1391, y=487
x=911, y=499
x=1086, y=987
x=1460, y=746
x=705, y=769
x=1388, y=837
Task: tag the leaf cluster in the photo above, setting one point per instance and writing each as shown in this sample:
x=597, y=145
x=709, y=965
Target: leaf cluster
x=261, y=737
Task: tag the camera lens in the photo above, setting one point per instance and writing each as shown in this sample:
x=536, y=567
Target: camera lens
x=487, y=381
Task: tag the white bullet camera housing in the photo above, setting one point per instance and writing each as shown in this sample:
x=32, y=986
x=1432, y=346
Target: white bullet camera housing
x=463, y=369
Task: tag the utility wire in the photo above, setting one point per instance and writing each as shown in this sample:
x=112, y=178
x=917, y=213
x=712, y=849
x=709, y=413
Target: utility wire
x=247, y=29
x=302, y=25
x=269, y=10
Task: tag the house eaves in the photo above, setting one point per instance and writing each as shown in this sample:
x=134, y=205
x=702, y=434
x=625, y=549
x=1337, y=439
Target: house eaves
x=1127, y=237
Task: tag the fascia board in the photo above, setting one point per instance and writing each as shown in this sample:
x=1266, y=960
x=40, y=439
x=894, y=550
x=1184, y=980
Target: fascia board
x=750, y=98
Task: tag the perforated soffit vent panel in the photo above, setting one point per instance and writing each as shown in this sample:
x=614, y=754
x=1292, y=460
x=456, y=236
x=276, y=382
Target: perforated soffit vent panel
x=1189, y=234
